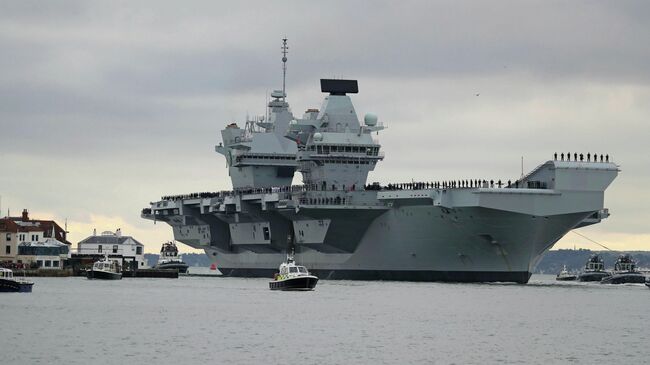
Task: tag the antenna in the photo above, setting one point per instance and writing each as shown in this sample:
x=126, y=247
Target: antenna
x=266, y=105
x=285, y=49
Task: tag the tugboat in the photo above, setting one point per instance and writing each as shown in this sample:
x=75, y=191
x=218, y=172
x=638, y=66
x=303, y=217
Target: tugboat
x=170, y=259
x=594, y=269
x=104, y=269
x=10, y=284
x=293, y=277
x=624, y=272
x=565, y=275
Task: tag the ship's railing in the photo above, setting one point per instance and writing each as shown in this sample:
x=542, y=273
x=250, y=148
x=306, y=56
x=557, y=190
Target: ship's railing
x=337, y=200
x=287, y=192
x=447, y=184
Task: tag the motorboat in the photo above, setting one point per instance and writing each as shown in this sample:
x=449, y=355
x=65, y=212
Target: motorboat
x=8, y=283
x=105, y=269
x=293, y=277
x=594, y=269
x=565, y=275
x=170, y=259
x=624, y=272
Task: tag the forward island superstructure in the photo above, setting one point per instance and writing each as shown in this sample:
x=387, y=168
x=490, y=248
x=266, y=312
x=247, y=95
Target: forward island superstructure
x=341, y=227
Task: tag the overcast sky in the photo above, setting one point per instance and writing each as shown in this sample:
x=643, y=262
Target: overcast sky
x=106, y=106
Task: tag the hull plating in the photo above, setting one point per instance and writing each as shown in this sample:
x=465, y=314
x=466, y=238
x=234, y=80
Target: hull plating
x=432, y=244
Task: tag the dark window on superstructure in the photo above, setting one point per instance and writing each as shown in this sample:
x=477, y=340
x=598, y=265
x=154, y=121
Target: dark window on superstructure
x=267, y=235
x=99, y=248
x=114, y=248
x=55, y=264
x=138, y=250
x=39, y=263
x=8, y=250
x=48, y=263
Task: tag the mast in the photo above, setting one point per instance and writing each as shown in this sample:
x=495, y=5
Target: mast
x=285, y=50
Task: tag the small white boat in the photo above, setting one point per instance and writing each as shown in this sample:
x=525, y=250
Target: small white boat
x=8, y=283
x=293, y=277
x=565, y=275
x=105, y=269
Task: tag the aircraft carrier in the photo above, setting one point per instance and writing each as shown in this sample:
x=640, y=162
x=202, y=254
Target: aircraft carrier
x=341, y=227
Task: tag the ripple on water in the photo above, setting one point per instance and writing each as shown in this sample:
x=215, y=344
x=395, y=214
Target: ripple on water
x=241, y=321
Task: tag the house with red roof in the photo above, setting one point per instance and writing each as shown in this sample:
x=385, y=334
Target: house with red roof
x=25, y=241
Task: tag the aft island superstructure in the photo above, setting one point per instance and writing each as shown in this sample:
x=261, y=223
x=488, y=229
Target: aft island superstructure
x=342, y=228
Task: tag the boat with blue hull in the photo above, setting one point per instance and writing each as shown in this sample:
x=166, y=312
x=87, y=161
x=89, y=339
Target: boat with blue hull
x=8, y=283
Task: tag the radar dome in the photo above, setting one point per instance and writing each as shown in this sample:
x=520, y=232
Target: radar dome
x=370, y=119
x=318, y=137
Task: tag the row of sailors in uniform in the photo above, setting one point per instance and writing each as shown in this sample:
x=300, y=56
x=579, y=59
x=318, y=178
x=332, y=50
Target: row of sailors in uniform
x=239, y=191
x=582, y=157
x=468, y=183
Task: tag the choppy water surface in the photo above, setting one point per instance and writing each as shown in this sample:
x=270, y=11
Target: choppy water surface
x=198, y=320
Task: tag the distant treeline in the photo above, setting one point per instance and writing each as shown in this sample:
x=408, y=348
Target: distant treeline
x=551, y=263
x=192, y=259
x=575, y=260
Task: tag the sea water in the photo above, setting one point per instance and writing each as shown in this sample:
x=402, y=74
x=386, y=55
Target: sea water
x=205, y=320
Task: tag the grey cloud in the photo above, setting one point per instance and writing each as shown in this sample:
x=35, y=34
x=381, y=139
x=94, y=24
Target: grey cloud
x=124, y=101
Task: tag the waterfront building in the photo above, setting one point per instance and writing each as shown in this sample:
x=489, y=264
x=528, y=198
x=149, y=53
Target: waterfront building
x=25, y=241
x=115, y=245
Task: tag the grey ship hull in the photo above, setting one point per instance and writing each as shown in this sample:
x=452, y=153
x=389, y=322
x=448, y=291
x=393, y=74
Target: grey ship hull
x=463, y=234
x=431, y=245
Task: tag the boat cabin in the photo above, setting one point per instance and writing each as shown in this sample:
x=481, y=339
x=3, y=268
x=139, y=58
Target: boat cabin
x=6, y=274
x=595, y=263
x=105, y=266
x=625, y=263
x=291, y=269
x=595, y=266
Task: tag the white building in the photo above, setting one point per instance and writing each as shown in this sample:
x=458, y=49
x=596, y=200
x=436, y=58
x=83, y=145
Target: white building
x=25, y=241
x=113, y=244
